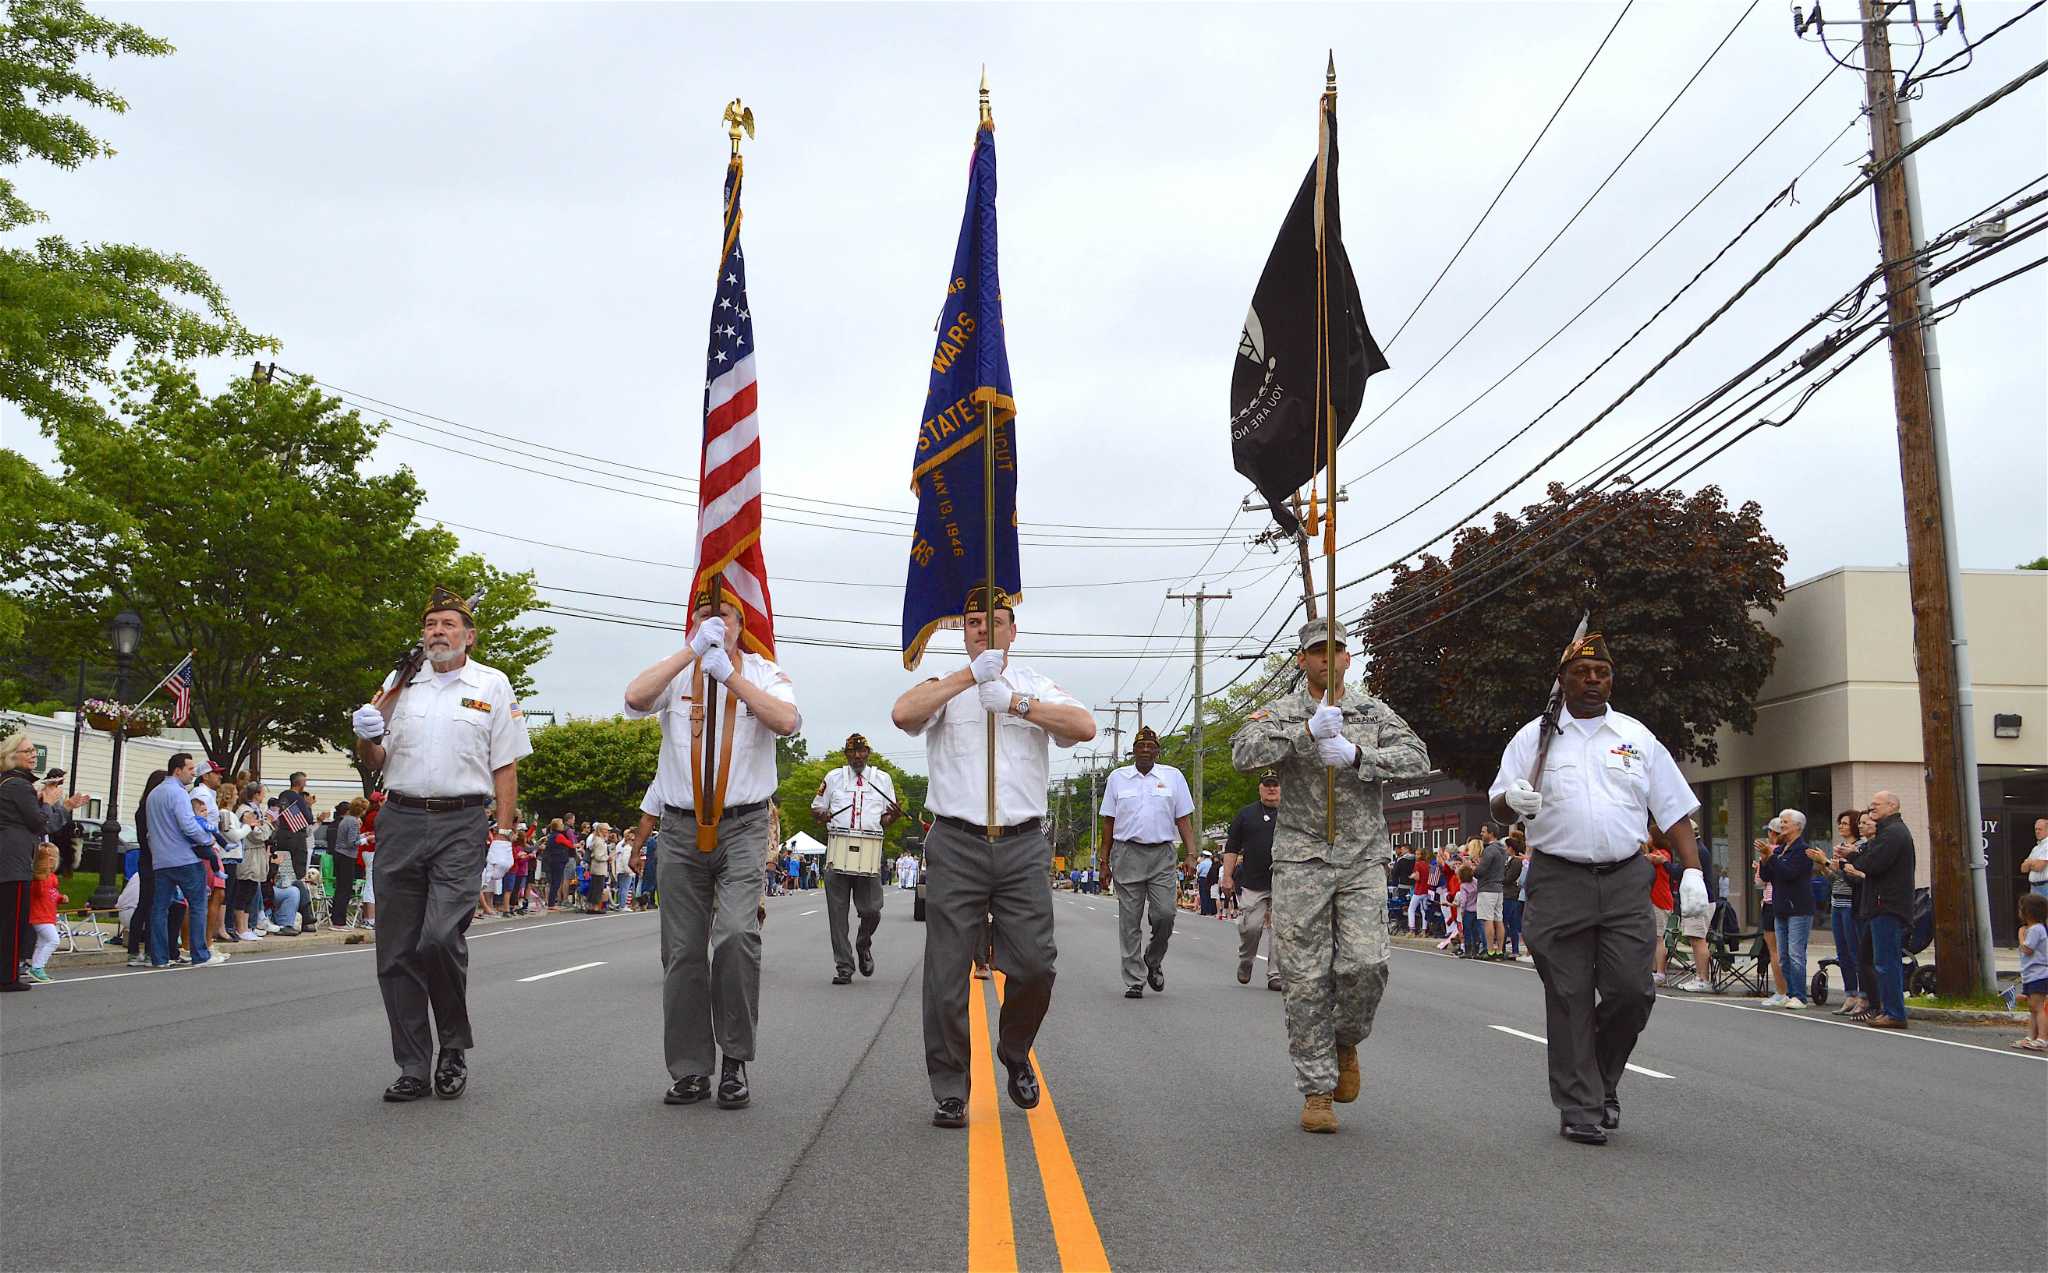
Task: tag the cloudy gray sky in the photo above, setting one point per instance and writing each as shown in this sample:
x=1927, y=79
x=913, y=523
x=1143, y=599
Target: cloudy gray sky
x=507, y=216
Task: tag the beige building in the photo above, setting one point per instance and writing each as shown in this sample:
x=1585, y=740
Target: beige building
x=1839, y=718
x=329, y=776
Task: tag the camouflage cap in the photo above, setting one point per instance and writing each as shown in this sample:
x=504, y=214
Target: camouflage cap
x=1316, y=632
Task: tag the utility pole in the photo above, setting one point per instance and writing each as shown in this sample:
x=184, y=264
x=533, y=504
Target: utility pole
x=1198, y=597
x=1274, y=534
x=1962, y=931
x=1116, y=730
x=1139, y=703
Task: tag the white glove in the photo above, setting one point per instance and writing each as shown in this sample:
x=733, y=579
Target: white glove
x=1523, y=798
x=987, y=665
x=1339, y=752
x=501, y=850
x=995, y=696
x=1328, y=722
x=369, y=722
x=709, y=633
x=717, y=664
x=1692, y=893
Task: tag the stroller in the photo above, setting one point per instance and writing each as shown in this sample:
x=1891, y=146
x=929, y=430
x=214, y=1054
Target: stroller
x=1919, y=936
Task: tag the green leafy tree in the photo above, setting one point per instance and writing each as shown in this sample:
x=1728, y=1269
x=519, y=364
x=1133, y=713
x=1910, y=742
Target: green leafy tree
x=247, y=528
x=65, y=309
x=1465, y=649
x=599, y=769
x=2038, y=563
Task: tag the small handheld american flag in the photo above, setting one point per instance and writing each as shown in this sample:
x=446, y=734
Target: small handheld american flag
x=179, y=683
x=291, y=817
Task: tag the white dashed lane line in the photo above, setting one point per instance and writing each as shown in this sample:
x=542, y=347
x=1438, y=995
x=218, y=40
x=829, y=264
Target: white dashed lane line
x=559, y=971
x=1537, y=1038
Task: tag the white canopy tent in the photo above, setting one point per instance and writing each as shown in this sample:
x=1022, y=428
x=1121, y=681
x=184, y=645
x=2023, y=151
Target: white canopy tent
x=802, y=845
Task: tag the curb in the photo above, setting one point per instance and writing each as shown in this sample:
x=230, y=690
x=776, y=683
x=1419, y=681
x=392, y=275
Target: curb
x=324, y=938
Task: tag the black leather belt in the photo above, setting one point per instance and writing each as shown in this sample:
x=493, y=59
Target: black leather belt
x=980, y=829
x=731, y=810
x=1597, y=868
x=436, y=804
x=1148, y=844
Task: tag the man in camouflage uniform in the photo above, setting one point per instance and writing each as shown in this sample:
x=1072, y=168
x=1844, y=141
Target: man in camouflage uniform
x=1329, y=900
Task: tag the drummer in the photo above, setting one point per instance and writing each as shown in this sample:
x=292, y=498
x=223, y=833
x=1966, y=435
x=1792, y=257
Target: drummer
x=857, y=804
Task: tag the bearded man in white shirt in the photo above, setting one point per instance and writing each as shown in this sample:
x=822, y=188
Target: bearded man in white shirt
x=1586, y=913
x=977, y=874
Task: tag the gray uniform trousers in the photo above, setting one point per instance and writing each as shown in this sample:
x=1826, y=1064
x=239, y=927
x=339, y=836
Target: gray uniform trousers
x=1592, y=936
x=426, y=875
x=1146, y=881
x=968, y=879
x=710, y=939
x=866, y=893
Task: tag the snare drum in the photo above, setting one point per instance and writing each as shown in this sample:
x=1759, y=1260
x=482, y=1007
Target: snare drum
x=853, y=854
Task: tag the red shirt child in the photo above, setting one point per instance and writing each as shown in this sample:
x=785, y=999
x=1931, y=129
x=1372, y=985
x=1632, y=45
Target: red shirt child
x=43, y=896
x=1660, y=882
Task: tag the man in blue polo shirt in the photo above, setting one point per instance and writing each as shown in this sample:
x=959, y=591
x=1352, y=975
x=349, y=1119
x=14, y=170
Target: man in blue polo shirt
x=175, y=836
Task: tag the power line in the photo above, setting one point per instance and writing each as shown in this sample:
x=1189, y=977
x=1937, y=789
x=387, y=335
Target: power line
x=1411, y=386
x=1540, y=135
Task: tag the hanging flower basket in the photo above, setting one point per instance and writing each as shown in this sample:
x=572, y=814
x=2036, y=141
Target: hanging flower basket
x=119, y=718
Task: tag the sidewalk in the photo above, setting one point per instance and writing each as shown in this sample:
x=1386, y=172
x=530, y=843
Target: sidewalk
x=326, y=937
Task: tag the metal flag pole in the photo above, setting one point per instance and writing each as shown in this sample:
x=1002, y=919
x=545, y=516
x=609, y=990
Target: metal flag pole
x=988, y=521
x=1326, y=413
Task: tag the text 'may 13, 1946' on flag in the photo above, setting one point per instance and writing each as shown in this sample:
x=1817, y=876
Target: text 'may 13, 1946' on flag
x=1274, y=440
x=729, y=477
x=969, y=388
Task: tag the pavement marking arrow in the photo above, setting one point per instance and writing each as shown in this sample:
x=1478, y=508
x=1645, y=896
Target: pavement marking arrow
x=559, y=971
x=1537, y=1038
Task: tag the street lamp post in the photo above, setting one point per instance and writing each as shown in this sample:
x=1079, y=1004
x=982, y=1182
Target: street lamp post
x=127, y=636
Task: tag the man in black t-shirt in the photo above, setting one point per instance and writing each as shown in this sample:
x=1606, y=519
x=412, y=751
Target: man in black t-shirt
x=1248, y=867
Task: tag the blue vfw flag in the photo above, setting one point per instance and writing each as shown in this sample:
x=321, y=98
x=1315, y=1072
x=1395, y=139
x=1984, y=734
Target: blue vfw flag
x=969, y=390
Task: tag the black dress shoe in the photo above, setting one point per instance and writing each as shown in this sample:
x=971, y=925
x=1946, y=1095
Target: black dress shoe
x=451, y=1075
x=1580, y=1133
x=407, y=1088
x=1023, y=1085
x=842, y=978
x=1156, y=978
x=1610, y=1114
x=951, y=1112
x=688, y=1090
x=867, y=962
x=1135, y=992
x=732, y=1085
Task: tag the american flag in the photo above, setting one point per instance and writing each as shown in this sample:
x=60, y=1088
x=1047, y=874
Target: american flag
x=179, y=683
x=291, y=817
x=729, y=477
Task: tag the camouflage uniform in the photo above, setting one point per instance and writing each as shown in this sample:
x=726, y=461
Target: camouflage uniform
x=1329, y=900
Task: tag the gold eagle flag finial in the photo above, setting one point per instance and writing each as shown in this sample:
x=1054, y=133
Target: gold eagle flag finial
x=738, y=118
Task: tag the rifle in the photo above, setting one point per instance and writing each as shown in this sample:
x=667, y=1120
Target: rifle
x=1556, y=706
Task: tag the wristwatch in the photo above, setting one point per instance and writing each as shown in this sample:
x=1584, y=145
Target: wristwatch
x=1022, y=706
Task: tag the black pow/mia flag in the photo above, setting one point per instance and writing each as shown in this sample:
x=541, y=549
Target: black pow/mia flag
x=1274, y=440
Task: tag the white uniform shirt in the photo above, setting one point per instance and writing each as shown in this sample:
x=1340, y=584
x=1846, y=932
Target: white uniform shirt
x=2039, y=876
x=854, y=804
x=752, y=777
x=1602, y=780
x=1146, y=806
x=451, y=731
x=956, y=753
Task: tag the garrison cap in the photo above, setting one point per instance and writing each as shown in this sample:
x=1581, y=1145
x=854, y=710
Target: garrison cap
x=1316, y=632
x=448, y=599
x=1145, y=734
x=853, y=741
x=1269, y=779
x=975, y=602
x=1590, y=646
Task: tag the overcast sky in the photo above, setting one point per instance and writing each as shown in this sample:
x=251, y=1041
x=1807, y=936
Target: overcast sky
x=507, y=217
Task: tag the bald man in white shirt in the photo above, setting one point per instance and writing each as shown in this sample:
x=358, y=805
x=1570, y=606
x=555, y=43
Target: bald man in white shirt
x=974, y=872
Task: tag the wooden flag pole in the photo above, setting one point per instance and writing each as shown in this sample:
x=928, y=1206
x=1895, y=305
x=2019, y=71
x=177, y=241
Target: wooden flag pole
x=1328, y=418
x=988, y=524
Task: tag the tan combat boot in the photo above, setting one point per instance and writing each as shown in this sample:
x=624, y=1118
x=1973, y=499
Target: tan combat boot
x=1347, y=1074
x=1316, y=1114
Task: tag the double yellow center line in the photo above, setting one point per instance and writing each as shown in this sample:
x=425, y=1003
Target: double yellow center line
x=991, y=1233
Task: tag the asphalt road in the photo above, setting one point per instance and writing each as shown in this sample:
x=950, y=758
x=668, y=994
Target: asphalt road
x=229, y=1118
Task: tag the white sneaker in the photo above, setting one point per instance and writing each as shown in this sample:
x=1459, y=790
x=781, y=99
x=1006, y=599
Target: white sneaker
x=1775, y=1001
x=250, y=935
x=138, y=961
x=215, y=957
x=1794, y=1005
x=1697, y=987
x=269, y=925
x=1657, y=978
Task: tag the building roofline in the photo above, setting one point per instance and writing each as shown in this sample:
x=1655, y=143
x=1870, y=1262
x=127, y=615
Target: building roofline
x=1897, y=570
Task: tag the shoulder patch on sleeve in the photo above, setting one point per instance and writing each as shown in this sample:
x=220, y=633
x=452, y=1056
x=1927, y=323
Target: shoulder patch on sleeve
x=1261, y=714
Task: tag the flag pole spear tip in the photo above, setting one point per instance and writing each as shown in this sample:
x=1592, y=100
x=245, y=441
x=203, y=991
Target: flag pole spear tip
x=987, y=116
x=1330, y=74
